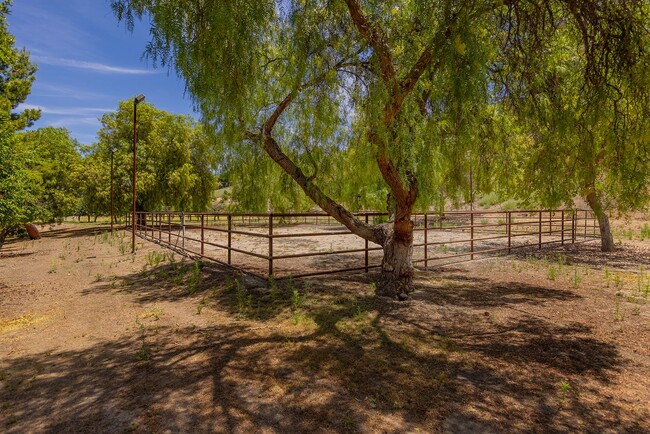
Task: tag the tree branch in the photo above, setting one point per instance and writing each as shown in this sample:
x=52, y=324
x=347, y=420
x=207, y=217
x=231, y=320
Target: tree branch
x=377, y=41
x=270, y=145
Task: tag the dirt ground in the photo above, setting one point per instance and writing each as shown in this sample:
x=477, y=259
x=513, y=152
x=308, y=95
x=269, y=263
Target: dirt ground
x=94, y=339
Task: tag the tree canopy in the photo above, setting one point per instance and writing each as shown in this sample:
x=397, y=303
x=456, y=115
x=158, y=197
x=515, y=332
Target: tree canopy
x=18, y=204
x=175, y=162
x=413, y=91
x=53, y=166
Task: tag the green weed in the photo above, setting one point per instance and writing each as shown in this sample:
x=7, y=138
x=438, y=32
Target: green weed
x=552, y=272
x=201, y=305
x=619, y=314
x=195, y=278
x=244, y=300
x=576, y=278
x=645, y=232
x=155, y=258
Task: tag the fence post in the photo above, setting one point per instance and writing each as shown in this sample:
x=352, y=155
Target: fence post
x=539, y=246
x=573, y=227
x=471, y=232
x=169, y=228
x=593, y=219
x=271, y=245
x=509, y=221
x=183, y=230
x=562, y=227
x=426, y=241
x=202, y=231
x=160, y=227
x=585, y=224
x=366, y=251
x=229, y=238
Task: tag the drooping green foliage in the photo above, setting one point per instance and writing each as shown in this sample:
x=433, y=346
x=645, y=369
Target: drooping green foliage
x=431, y=84
x=53, y=167
x=585, y=115
x=175, y=162
x=16, y=77
x=252, y=54
x=18, y=204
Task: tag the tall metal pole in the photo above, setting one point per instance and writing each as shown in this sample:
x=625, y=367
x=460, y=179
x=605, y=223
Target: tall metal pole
x=138, y=99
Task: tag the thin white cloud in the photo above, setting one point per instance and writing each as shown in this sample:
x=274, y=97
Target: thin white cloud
x=92, y=66
x=67, y=111
x=67, y=122
x=49, y=90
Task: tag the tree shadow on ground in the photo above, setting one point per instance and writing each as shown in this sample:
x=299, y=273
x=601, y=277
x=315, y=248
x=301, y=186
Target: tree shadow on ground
x=76, y=232
x=589, y=254
x=341, y=360
x=13, y=253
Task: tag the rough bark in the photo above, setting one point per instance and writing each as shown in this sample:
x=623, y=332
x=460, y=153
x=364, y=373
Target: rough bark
x=396, y=279
x=606, y=238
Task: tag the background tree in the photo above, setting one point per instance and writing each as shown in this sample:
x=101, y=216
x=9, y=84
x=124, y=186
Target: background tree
x=585, y=136
x=51, y=164
x=18, y=205
x=410, y=85
x=175, y=162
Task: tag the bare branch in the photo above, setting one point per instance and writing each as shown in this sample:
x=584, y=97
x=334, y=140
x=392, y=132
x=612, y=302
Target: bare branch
x=377, y=40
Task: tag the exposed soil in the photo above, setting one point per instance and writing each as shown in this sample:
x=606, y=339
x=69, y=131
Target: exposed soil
x=94, y=339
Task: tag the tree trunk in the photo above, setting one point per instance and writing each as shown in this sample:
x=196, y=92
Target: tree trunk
x=32, y=231
x=606, y=238
x=396, y=280
x=3, y=236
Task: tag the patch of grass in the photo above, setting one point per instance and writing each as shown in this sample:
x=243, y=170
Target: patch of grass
x=297, y=301
x=273, y=291
x=154, y=258
x=565, y=389
x=619, y=314
x=575, y=282
x=244, y=300
x=201, y=305
x=195, y=277
x=645, y=232
x=552, y=272
x=618, y=283
x=143, y=351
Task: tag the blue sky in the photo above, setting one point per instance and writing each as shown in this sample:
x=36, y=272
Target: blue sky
x=87, y=62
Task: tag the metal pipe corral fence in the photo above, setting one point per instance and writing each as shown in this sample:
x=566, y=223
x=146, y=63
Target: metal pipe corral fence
x=281, y=245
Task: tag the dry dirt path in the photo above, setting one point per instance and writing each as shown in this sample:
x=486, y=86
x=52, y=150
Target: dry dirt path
x=93, y=339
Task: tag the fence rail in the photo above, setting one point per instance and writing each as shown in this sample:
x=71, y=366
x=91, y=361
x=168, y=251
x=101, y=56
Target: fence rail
x=309, y=244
